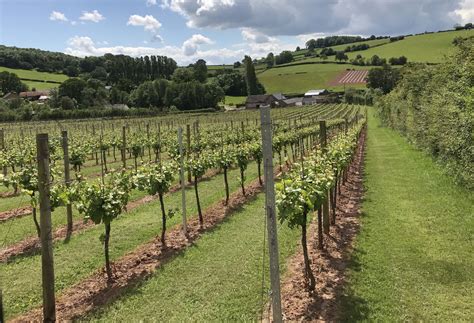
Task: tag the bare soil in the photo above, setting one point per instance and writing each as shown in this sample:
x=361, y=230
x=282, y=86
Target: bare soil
x=328, y=265
x=31, y=245
x=141, y=263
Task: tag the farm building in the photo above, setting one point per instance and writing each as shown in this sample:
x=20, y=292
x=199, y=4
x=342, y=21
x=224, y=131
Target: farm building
x=294, y=102
x=35, y=95
x=256, y=101
x=318, y=96
x=313, y=93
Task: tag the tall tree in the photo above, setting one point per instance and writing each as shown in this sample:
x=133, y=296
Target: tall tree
x=200, y=70
x=270, y=60
x=250, y=76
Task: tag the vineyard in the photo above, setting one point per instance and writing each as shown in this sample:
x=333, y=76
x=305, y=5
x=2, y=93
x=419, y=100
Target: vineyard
x=117, y=203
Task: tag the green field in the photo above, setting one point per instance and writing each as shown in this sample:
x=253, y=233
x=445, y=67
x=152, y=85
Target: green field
x=429, y=48
x=301, y=78
x=40, y=85
x=234, y=100
x=35, y=75
x=413, y=257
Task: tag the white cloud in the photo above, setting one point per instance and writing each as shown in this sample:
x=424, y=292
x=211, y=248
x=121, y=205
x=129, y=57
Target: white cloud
x=151, y=3
x=191, y=45
x=149, y=22
x=94, y=16
x=58, y=16
x=85, y=46
x=254, y=36
x=465, y=12
x=157, y=38
x=296, y=17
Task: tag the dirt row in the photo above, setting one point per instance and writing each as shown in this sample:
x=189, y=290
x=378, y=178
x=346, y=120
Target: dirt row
x=328, y=265
x=31, y=245
x=131, y=269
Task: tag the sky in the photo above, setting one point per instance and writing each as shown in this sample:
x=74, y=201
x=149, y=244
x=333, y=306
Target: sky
x=218, y=31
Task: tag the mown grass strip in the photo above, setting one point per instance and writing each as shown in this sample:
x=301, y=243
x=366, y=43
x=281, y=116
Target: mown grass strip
x=217, y=279
x=413, y=258
x=83, y=254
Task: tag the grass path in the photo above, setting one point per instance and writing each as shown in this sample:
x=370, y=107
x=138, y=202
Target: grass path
x=217, y=279
x=414, y=256
x=83, y=254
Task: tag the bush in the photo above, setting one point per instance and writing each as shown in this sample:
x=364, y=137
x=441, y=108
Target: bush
x=434, y=107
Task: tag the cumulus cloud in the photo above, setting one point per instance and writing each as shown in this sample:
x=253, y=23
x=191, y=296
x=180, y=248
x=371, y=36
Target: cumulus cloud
x=254, y=36
x=85, y=46
x=151, y=3
x=296, y=17
x=149, y=22
x=58, y=16
x=94, y=16
x=191, y=45
x=465, y=12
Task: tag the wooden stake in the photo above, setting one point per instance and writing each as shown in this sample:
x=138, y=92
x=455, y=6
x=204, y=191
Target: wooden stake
x=188, y=148
x=181, y=179
x=47, y=263
x=124, y=143
x=266, y=128
x=323, y=138
x=67, y=179
x=2, y=147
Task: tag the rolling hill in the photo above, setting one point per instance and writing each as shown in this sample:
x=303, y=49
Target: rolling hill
x=37, y=80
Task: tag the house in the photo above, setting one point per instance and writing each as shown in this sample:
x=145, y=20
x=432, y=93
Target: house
x=35, y=95
x=313, y=93
x=316, y=96
x=293, y=102
x=256, y=101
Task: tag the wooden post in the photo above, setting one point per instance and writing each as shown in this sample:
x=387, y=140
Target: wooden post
x=124, y=151
x=181, y=178
x=323, y=138
x=266, y=128
x=47, y=263
x=67, y=178
x=188, y=148
x=148, y=140
x=2, y=316
x=2, y=147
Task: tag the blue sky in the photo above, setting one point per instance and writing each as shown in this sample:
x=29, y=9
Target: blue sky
x=220, y=31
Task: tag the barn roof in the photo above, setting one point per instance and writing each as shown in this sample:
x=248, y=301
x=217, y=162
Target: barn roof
x=315, y=92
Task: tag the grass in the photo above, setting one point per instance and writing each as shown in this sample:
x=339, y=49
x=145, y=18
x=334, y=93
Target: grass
x=413, y=258
x=83, y=254
x=35, y=75
x=301, y=78
x=40, y=85
x=421, y=48
x=234, y=100
x=217, y=279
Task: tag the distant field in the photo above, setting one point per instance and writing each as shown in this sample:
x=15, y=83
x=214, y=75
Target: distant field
x=41, y=85
x=35, y=75
x=234, y=100
x=429, y=48
x=301, y=78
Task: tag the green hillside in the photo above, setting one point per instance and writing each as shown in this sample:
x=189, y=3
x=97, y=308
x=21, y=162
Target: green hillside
x=298, y=76
x=301, y=78
x=35, y=75
x=429, y=48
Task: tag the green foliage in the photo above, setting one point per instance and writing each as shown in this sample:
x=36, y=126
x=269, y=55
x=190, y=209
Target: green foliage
x=384, y=78
x=102, y=203
x=434, y=107
x=155, y=179
x=10, y=82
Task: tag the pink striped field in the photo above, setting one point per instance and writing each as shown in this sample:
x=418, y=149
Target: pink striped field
x=350, y=77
